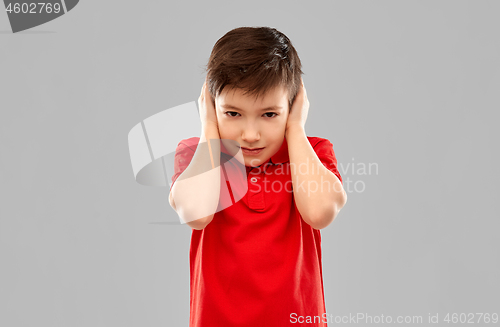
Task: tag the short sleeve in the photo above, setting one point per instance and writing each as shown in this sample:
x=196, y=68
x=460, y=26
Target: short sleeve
x=325, y=153
x=183, y=155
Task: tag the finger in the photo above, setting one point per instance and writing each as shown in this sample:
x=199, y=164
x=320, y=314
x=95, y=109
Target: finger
x=208, y=95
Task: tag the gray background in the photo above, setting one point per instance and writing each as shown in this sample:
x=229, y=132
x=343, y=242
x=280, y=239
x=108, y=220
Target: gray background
x=411, y=86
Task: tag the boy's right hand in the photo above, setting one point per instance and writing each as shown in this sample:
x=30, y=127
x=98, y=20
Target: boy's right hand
x=206, y=107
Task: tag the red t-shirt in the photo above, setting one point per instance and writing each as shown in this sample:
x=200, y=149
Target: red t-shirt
x=257, y=263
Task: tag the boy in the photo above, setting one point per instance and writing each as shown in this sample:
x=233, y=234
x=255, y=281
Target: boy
x=257, y=262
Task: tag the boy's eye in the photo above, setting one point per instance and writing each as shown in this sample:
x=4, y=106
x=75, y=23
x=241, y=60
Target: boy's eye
x=230, y=114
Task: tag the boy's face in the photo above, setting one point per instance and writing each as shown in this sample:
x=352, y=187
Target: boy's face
x=252, y=122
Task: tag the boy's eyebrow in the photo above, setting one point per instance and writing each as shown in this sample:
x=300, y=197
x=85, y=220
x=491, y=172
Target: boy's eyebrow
x=228, y=106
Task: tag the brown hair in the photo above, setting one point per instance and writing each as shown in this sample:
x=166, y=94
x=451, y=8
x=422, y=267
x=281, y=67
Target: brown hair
x=255, y=59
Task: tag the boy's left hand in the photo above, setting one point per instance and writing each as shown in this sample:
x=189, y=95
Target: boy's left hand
x=300, y=108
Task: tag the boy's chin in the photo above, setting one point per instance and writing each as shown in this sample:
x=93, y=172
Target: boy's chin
x=255, y=162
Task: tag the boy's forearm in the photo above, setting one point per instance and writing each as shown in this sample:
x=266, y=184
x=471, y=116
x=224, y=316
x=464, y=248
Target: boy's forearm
x=318, y=192
x=196, y=191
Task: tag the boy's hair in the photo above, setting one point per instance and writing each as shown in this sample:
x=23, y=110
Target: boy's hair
x=255, y=59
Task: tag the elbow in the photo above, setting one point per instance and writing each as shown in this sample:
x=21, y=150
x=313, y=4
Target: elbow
x=196, y=223
x=191, y=217
x=323, y=220
x=200, y=224
x=343, y=200
x=325, y=217
x=171, y=201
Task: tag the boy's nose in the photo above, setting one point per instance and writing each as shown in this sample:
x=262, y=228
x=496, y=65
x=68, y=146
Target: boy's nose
x=250, y=135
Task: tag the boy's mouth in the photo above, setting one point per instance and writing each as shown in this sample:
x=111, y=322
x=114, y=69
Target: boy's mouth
x=251, y=151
